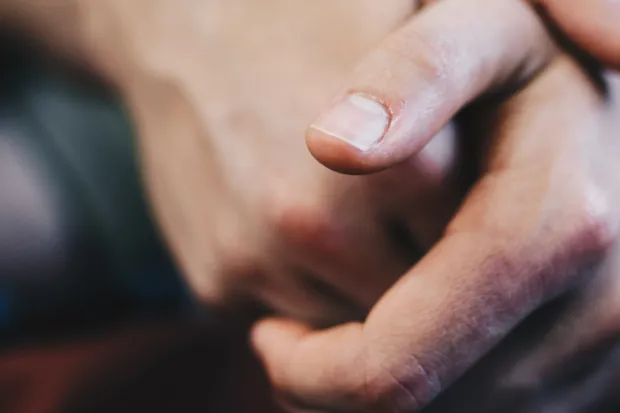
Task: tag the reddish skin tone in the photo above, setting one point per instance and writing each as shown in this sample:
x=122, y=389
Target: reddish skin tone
x=440, y=48
x=543, y=210
x=246, y=209
x=592, y=24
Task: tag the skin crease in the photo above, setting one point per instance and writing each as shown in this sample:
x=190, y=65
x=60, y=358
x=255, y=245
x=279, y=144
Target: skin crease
x=510, y=248
x=255, y=214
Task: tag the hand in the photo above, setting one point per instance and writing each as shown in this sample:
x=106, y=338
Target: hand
x=564, y=358
x=541, y=218
x=222, y=108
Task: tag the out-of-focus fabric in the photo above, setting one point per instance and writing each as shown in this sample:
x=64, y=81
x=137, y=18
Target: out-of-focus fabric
x=77, y=246
x=93, y=316
x=173, y=366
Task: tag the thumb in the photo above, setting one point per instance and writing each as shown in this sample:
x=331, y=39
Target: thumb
x=593, y=24
x=408, y=88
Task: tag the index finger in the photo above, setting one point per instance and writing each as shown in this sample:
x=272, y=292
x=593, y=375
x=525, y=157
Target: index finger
x=519, y=240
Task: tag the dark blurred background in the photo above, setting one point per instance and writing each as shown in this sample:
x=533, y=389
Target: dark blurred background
x=93, y=314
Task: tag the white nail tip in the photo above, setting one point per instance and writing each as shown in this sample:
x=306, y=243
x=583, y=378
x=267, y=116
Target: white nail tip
x=357, y=120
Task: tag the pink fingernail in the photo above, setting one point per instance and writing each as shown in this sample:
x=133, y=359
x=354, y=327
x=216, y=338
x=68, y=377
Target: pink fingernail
x=357, y=120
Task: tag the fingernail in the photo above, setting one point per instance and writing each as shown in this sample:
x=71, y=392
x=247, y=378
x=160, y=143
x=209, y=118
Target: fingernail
x=356, y=119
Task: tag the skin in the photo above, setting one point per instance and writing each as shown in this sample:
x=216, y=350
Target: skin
x=593, y=25
x=282, y=229
x=540, y=216
x=250, y=215
x=256, y=217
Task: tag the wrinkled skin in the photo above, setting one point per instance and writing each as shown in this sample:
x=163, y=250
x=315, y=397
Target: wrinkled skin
x=222, y=106
x=564, y=357
x=541, y=219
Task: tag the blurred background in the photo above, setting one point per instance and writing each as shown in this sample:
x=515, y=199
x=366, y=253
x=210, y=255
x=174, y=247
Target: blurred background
x=93, y=316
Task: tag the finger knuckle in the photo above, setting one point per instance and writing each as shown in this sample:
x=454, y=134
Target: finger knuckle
x=229, y=271
x=302, y=223
x=237, y=252
x=240, y=267
x=591, y=227
x=407, y=391
x=580, y=236
x=205, y=282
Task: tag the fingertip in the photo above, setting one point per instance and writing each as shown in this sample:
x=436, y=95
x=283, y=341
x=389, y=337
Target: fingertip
x=315, y=368
x=354, y=134
x=276, y=336
x=339, y=155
